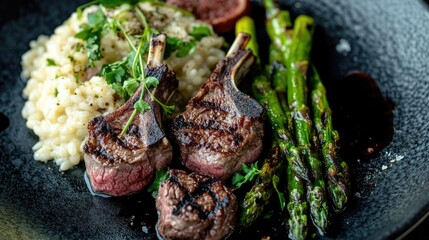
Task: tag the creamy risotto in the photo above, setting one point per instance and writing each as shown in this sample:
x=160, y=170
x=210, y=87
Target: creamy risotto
x=64, y=93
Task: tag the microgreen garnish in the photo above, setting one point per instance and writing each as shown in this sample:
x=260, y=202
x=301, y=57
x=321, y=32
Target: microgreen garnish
x=160, y=176
x=179, y=46
x=200, y=31
x=249, y=172
x=130, y=86
x=117, y=73
x=184, y=48
x=91, y=35
x=50, y=62
x=126, y=75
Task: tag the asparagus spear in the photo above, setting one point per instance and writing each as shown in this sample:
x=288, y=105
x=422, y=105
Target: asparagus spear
x=336, y=169
x=278, y=75
x=246, y=24
x=279, y=29
x=297, y=206
x=295, y=48
x=259, y=195
x=297, y=65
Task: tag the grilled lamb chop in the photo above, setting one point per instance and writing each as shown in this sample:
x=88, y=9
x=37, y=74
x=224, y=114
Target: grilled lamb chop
x=191, y=206
x=121, y=165
x=221, y=127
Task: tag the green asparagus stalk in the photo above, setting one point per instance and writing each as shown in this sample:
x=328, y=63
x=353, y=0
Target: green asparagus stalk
x=259, y=195
x=279, y=29
x=296, y=171
x=278, y=76
x=297, y=65
x=297, y=206
x=295, y=48
x=336, y=169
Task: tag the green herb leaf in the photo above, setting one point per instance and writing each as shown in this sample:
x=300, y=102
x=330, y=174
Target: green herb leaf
x=168, y=109
x=56, y=92
x=185, y=49
x=250, y=173
x=141, y=106
x=200, y=31
x=120, y=90
x=160, y=176
x=93, y=47
x=245, y=168
x=91, y=35
x=131, y=85
x=80, y=9
x=116, y=72
x=181, y=48
x=237, y=178
x=151, y=82
x=171, y=46
x=282, y=200
x=92, y=39
x=50, y=62
x=96, y=19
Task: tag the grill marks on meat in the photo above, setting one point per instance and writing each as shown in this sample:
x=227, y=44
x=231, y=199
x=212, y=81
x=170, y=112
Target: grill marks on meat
x=191, y=206
x=221, y=126
x=120, y=165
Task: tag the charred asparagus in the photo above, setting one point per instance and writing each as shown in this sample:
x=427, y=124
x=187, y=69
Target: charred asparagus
x=336, y=169
x=297, y=65
x=296, y=171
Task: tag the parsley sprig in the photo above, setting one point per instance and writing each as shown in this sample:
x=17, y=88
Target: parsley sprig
x=160, y=177
x=184, y=48
x=126, y=75
x=250, y=172
x=138, y=71
x=91, y=35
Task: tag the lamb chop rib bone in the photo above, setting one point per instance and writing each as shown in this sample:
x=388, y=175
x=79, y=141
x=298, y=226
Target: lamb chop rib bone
x=221, y=126
x=120, y=165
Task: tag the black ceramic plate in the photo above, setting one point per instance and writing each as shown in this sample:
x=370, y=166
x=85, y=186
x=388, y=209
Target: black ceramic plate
x=388, y=39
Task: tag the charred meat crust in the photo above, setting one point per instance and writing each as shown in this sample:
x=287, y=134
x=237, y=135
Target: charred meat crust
x=221, y=126
x=120, y=165
x=146, y=129
x=191, y=206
